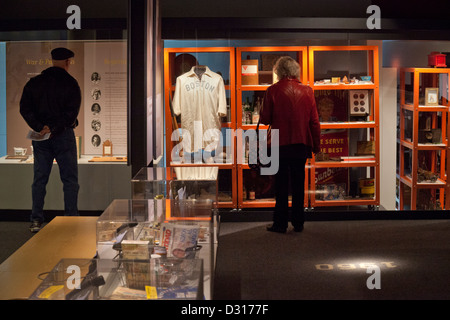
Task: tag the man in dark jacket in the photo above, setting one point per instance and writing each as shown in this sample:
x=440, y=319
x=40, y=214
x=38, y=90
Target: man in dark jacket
x=290, y=108
x=50, y=103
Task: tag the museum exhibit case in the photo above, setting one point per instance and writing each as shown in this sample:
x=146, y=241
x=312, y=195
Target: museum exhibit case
x=255, y=74
x=192, y=182
x=423, y=139
x=180, y=191
x=183, y=195
x=160, y=228
x=345, y=80
x=159, y=245
x=200, y=114
x=100, y=68
x=110, y=124
x=149, y=183
x=150, y=279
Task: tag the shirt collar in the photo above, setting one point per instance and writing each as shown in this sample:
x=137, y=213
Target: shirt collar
x=208, y=72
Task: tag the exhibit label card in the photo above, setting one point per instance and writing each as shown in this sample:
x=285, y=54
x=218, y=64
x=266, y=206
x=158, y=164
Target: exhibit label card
x=105, y=96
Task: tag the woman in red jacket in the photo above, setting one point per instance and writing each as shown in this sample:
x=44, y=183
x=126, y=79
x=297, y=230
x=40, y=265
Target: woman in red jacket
x=290, y=107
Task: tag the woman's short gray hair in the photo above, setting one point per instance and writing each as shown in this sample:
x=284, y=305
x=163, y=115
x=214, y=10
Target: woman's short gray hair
x=286, y=67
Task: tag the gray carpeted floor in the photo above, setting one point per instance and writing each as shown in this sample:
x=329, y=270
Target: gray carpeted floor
x=12, y=236
x=329, y=260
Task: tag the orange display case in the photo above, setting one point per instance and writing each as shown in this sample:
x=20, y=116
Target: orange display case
x=413, y=85
x=170, y=65
x=370, y=123
x=300, y=53
x=238, y=93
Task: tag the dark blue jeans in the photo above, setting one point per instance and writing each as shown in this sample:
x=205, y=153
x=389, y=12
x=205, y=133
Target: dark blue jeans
x=61, y=147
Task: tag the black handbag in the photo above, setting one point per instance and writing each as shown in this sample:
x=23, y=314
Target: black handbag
x=253, y=153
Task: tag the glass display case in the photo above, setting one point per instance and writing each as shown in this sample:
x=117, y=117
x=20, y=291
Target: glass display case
x=195, y=137
x=178, y=183
x=254, y=75
x=159, y=228
x=99, y=279
x=345, y=80
x=198, y=183
x=423, y=139
x=184, y=193
x=123, y=220
x=149, y=183
x=158, y=223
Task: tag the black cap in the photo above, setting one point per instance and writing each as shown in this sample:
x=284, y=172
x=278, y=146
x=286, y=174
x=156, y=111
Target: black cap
x=62, y=54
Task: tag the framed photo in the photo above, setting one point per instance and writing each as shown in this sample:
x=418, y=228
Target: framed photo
x=431, y=96
x=107, y=148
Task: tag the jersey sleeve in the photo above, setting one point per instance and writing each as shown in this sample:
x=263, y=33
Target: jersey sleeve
x=222, y=107
x=176, y=102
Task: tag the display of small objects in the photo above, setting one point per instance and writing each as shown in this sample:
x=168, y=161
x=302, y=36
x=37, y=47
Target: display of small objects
x=359, y=102
x=437, y=60
x=426, y=176
x=345, y=80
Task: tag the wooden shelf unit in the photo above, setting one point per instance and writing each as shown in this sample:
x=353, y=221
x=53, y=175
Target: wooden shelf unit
x=422, y=78
x=372, y=125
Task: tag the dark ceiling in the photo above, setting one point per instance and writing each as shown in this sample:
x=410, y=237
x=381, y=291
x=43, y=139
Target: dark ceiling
x=206, y=19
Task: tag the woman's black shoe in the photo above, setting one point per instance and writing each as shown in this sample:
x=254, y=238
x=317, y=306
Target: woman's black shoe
x=275, y=229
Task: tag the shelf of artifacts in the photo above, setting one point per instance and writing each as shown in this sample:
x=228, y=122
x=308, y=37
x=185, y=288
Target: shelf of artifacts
x=254, y=75
x=221, y=62
x=423, y=139
x=346, y=172
x=258, y=191
x=346, y=181
x=83, y=159
x=25, y=155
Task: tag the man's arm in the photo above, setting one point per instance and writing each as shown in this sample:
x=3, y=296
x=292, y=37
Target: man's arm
x=27, y=109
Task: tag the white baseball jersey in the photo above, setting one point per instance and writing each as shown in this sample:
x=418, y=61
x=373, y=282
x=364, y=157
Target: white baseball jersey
x=201, y=101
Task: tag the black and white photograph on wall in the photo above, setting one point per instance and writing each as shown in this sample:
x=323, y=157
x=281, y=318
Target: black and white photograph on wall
x=95, y=77
x=96, y=140
x=96, y=109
